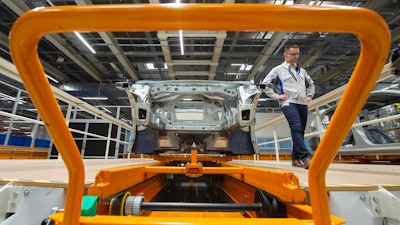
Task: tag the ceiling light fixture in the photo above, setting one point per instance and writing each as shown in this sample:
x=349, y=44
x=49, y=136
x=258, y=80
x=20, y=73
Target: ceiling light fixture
x=84, y=42
x=49, y=2
x=52, y=78
x=283, y=43
x=181, y=35
x=104, y=109
x=391, y=86
x=95, y=98
x=150, y=66
x=181, y=42
x=243, y=67
x=114, y=66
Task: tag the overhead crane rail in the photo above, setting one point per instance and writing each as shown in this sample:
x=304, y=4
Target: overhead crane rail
x=368, y=26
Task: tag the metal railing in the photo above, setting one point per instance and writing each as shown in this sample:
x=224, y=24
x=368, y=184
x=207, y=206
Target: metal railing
x=87, y=134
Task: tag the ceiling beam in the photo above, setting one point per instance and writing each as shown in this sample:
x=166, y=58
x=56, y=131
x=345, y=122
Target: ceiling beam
x=109, y=39
x=395, y=34
x=267, y=51
x=376, y=5
x=19, y=7
x=218, y=45
x=162, y=36
x=193, y=62
x=112, y=43
x=4, y=39
x=54, y=72
x=57, y=74
x=192, y=73
x=68, y=51
x=346, y=65
x=314, y=54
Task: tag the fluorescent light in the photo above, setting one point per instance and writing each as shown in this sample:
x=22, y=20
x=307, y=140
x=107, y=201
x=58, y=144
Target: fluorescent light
x=243, y=67
x=104, y=109
x=51, y=78
x=391, y=86
x=181, y=42
x=150, y=66
x=248, y=67
x=95, y=98
x=115, y=67
x=49, y=2
x=289, y=3
x=84, y=42
x=180, y=34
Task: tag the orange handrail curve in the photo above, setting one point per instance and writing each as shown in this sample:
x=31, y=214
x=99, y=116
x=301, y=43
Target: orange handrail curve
x=368, y=26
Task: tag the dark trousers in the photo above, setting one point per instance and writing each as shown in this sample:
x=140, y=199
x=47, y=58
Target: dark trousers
x=296, y=115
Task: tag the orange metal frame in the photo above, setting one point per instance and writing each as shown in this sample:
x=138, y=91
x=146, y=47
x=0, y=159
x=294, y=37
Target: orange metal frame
x=283, y=185
x=368, y=26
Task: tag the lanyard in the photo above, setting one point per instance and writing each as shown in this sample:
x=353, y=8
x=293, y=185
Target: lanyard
x=297, y=71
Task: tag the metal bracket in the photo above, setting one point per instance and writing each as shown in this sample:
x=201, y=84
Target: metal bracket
x=385, y=204
x=9, y=198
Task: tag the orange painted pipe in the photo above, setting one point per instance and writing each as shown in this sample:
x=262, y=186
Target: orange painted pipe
x=182, y=170
x=193, y=156
x=367, y=25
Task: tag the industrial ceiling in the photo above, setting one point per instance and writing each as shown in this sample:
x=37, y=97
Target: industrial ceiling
x=157, y=55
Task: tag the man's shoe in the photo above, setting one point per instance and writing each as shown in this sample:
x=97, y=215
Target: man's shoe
x=306, y=163
x=297, y=163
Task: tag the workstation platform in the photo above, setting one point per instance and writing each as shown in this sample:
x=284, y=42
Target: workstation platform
x=339, y=176
x=355, y=184
x=54, y=173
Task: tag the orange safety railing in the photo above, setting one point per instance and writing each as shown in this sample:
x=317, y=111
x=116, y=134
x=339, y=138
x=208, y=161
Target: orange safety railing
x=367, y=25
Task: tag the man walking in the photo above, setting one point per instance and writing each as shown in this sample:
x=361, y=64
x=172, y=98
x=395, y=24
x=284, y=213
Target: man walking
x=293, y=88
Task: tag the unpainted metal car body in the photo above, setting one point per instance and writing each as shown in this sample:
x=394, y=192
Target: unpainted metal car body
x=368, y=139
x=176, y=116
